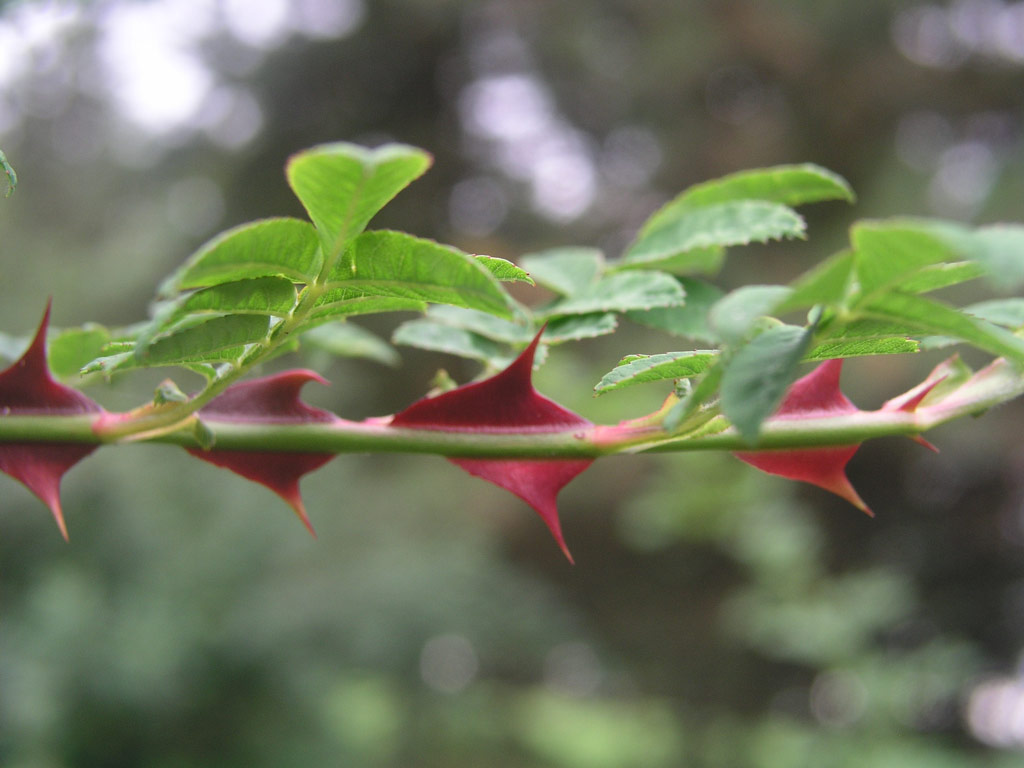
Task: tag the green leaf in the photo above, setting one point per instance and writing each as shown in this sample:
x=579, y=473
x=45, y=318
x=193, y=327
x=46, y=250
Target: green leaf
x=269, y=247
x=492, y=327
x=218, y=339
x=827, y=283
x=1005, y=312
x=704, y=261
x=724, y=224
x=621, y=292
x=937, y=276
x=999, y=248
x=933, y=317
x=344, y=302
x=854, y=347
x=733, y=316
x=348, y=340
x=566, y=271
x=273, y=296
x=397, y=265
x=70, y=350
x=640, y=369
x=343, y=186
x=504, y=270
x=889, y=253
x=689, y=320
x=576, y=327
x=785, y=184
x=437, y=337
x=758, y=376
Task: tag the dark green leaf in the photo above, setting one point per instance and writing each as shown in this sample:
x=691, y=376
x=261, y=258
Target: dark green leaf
x=756, y=379
x=348, y=340
x=621, y=292
x=504, y=270
x=567, y=271
x=397, y=265
x=642, y=368
x=691, y=319
x=284, y=247
x=342, y=186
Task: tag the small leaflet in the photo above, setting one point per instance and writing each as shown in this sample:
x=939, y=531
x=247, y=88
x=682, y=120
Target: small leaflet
x=507, y=403
x=271, y=399
x=27, y=387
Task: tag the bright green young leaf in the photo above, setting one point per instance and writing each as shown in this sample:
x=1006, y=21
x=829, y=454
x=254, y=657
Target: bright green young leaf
x=269, y=247
x=396, y=265
x=504, y=270
x=273, y=296
x=861, y=347
x=889, y=253
x=339, y=303
x=70, y=350
x=723, y=224
x=437, y=337
x=108, y=364
x=933, y=317
x=758, y=376
x=938, y=276
x=827, y=283
x=621, y=292
x=576, y=327
x=217, y=339
x=696, y=261
x=689, y=320
x=643, y=368
x=343, y=186
x=786, y=184
x=733, y=316
x=348, y=340
x=566, y=271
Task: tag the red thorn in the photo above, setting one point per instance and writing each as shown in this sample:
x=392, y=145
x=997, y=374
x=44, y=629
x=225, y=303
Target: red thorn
x=816, y=394
x=271, y=399
x=507, y=403
x=27, y=387
x=278, y=471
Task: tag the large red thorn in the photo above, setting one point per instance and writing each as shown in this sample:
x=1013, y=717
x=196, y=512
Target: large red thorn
x=27, y=387
x=271, y=399
x=507, y=403
x=815, y=395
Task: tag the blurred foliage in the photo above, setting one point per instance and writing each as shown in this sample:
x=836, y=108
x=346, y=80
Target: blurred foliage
x=717, y=617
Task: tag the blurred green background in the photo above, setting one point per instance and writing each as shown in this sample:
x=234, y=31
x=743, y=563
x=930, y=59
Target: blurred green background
x=716, y=616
